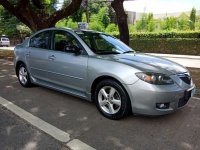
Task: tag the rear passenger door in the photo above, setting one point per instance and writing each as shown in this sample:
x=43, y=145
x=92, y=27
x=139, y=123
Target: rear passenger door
x=66, y=68
x=37, y=55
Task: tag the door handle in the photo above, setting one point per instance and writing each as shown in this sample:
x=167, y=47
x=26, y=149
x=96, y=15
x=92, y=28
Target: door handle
x=28, y=53
x=52, y=57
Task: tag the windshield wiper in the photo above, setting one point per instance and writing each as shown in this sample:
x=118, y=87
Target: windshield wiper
x=107, y=52
x=128, y=52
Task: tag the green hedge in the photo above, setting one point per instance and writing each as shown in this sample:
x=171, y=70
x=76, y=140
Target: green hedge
x=189, y=34
x=184, y=46
x=167, y=35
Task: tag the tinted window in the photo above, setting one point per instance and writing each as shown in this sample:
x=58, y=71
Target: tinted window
x=40, y=40
x=64, y=41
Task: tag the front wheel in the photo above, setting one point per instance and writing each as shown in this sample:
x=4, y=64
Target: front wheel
x=112, y=100
x=23, y=76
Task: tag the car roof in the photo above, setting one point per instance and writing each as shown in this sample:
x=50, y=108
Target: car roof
x=72, y=29
x=85, y=30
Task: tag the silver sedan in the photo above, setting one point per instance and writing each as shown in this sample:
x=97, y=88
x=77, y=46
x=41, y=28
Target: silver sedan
x=100, y=68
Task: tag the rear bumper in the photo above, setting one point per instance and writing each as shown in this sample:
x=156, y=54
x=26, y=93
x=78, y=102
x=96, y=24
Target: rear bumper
x=145, y=97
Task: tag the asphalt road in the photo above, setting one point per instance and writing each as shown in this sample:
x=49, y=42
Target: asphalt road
x=79, y=118
x=16, y=134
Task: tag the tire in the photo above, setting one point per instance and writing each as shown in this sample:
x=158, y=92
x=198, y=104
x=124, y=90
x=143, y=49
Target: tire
x=23, y=76
x=112, y=100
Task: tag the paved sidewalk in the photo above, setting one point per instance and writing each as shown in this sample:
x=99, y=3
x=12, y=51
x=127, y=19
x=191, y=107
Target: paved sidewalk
x=185, y=60
x=176, y=56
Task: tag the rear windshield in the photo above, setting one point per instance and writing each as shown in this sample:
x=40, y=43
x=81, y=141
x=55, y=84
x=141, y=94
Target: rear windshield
x=4, y=39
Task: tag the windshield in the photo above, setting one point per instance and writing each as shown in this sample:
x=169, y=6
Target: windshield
x=101, y=43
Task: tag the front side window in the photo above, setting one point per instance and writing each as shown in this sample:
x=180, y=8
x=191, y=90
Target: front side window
x=40, y=40
x=65, y=42
x=101, y=43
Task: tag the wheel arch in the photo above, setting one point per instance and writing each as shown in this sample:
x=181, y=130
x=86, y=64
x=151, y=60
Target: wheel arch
x=105, y=77
x=17, y=66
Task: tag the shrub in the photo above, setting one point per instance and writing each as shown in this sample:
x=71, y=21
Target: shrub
x=111, y=28
x=96, y=26
x=184, y=46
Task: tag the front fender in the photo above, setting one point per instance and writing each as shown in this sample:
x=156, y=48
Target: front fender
x=121, y=72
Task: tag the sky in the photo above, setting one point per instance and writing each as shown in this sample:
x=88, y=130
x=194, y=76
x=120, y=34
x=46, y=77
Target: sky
x=161, y=6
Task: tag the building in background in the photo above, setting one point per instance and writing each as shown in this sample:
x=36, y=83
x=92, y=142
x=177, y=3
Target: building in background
x=134, y=16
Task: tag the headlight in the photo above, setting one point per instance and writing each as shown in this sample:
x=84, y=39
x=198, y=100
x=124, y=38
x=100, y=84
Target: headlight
x=154, y=78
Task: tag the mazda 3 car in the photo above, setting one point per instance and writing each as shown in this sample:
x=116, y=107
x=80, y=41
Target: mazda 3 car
x=100, y=68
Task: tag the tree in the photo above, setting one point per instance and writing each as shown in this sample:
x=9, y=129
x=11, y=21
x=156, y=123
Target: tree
x=40, y=14
x=169, y=23
x=183, y=22
x=117, y=5
x=12, y=27
x=103, y=16
x=192, y=19
x=77, y=16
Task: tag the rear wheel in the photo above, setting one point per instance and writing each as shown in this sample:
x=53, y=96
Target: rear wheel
x=23, y=76
x=112, y=100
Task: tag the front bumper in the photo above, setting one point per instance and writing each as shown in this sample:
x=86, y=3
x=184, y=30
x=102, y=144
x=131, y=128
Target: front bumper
x=145, y=97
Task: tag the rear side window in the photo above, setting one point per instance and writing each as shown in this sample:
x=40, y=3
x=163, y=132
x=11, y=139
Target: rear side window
x=40, y=40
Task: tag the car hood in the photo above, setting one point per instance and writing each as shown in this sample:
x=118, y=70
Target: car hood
x=148, y=63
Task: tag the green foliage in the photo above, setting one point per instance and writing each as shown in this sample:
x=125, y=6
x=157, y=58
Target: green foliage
x=183, y=22
x=197, y=26
x=67, y=23
x=61, y=23
x=84, y=18
x=131, y=28
x=112, y=28
x=96, y=26
x=77, y=16
x=103, y=16
x=94, y=6
x=142, y=23
x=9, y=24
x=146, y=23
x=23, y=31
x=153, y=35
x=71, y=24
x=150, y=23
x=169, y=24
x=167, y=45
x=192, y=19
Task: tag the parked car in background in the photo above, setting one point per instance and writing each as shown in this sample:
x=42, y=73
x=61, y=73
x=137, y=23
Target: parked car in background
x=4, y=41
x=99, y=67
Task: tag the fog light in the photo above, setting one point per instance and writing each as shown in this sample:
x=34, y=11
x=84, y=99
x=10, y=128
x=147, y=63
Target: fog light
x=162, y=105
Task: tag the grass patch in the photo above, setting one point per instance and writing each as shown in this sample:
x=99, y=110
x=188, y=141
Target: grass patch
x=6, y=54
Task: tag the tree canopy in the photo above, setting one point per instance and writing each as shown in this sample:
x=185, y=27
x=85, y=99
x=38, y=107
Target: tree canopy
x=39, y=14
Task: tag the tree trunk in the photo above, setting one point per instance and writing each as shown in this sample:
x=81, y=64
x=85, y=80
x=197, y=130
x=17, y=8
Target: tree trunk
x=117, y=5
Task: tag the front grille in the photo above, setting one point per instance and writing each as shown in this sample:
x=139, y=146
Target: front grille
x=185, y=77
